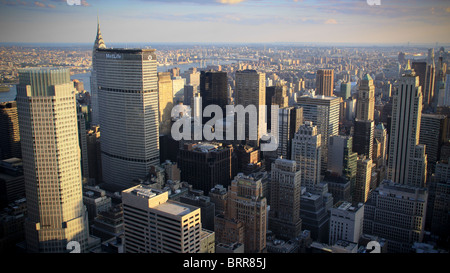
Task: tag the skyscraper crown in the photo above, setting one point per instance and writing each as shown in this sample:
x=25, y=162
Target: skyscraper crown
x=99, y=43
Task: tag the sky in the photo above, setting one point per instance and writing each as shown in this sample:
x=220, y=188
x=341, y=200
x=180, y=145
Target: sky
x=226, y=21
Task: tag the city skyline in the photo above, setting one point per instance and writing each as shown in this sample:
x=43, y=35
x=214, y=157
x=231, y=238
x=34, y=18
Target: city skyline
x=227, y=21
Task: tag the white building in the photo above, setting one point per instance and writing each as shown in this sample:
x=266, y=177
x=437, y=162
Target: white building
x=307, y=152
x=346, y=222
x=155, y=224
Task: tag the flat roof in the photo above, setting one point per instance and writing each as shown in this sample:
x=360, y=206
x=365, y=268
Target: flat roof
x=173, y=208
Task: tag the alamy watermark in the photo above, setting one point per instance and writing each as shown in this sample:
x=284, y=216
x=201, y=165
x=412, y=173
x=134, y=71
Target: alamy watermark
x=220, y=128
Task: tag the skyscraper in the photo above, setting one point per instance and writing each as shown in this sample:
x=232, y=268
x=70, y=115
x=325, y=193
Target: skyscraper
x=99, y=43
x=214, y=88
x=51, y=160
x=433, y=133
x=284, y=216
x=366, y=99
x=9, y=131
x=307, y=152
x=346, y=222
x=346, y=90
x=363, y=178
x=165, y=99
x=128, y=106
x=155, y=224
x=363, y=137
x=247, y=204
x=289, y=120
x=250, y=90
x=323, y=112
x=396, y=213
x=325, y=82
x=407, y=159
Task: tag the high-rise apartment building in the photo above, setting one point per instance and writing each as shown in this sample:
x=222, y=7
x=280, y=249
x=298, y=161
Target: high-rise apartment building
x=285, y=183
x=325, y=82
x=407, y=162
x=396, y=213
x=307, y=152
x=51, y=160
x=165, y=99
x=247, y=204
x=323, y=112
x=155, y=224
x=9, y=131
x=128, y=107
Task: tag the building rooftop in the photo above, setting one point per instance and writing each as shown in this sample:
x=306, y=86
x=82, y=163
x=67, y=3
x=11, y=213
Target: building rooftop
x=175, y=208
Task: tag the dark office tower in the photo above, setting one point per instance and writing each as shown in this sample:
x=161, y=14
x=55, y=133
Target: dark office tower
x=9, y=131
x=99, y=43
x=421, y=70
x=47, y=111
x=363, y=137
x=325, y=82
x=440, y=220
x=401, y=58
x=214, y=89
x=81, y=117
x=204, y=165
x=346, y=90
x=128, y=106
x=433, y=133
x=289, y=120
x=275, y=95
x=407, y=161
x=94, y=155
x=284, y=216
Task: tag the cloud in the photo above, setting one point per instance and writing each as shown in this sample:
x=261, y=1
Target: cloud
x=39, y=4
x=84, y=3
x=331, y=22
x=447, y=10
x=229, y=2
x=51, y=6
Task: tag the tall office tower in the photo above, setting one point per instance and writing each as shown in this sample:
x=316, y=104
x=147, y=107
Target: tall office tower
x=342, y=159
x=51, y=160
x=247, y=204
x=165, y=99
x=192, y=77
x=421, y=70
x=94, y=155
x=189, y=91
x=204, y=165
x=250, y=90
x=285, y=184
x=380, y=137
x=446, y=99
x=289, y=120
x=407, y=162
x=363, y=178
x=346, y=90
x=430, y=79
x=219, y=196
x=396, y=213
x=363, y=137
x=82, y=139
x=366, y=99
x=324, y=113
x=9, y=131
x=98, y=44
x=275, y=95
x=433, y=133
x=178, y=84
x=130, y=140
x=346, y=222
x=387, y=91
x=440, y=220
x=307, y=152
x=214, y=89
x=325, y=82
x=314, y=215
x=155, y=224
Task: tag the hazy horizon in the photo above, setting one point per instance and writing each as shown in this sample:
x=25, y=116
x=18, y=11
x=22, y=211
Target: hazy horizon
x=395, y=22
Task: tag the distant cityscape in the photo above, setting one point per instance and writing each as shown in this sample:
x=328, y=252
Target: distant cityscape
x=89, y=162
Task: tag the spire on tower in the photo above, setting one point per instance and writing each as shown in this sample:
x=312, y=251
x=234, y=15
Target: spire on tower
x=99, y=43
